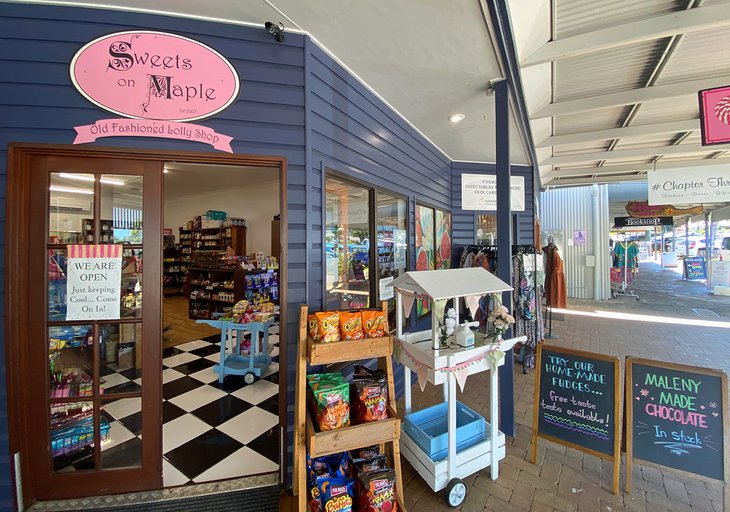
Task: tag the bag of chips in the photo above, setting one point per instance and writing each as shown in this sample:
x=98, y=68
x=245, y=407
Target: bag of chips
x=351, y=325
x=330, y=402
x=312, y=327
x=377, y=491
x=373, y=323
x=365, y=453
x=370, y=395
x=336, y=494
x=377, y=463
x=328, y=326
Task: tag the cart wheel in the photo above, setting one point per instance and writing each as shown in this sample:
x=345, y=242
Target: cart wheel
x=455, y=492
x=613, y=295
x=249, y=378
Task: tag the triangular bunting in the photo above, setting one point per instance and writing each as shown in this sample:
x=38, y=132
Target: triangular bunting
x=472, y=302
x=461, y=374
x=422, y=373
x=407, y=303
x=438, y=309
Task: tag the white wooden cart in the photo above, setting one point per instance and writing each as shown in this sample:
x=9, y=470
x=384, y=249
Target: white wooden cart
x=422, y=352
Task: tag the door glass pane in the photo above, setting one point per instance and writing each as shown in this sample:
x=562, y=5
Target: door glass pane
x=57, y=267
x=70, y=361
x=131, y=290
x=121, y=358
x=72, y=436
x=71, y=208
x=121, y=209
x=347, y=246
x=122, y=446
x=391, y=221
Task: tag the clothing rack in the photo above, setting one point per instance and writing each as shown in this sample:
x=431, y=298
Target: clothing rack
x=624, y=290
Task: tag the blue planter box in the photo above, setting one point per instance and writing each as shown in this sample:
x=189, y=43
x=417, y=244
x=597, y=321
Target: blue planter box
x=429, y=429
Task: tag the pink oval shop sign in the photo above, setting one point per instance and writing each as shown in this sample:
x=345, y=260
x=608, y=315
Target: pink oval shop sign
x=154, y=75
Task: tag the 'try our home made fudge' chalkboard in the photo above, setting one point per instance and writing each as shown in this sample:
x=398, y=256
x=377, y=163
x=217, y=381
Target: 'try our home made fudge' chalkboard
x=577, y=402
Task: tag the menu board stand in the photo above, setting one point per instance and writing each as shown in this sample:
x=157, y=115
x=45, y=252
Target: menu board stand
x=578, y=404
x=677, y=418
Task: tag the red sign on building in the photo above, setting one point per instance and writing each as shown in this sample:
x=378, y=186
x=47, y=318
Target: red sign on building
x=715, y=115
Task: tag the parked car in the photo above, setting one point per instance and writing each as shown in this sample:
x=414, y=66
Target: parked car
x=725, y=249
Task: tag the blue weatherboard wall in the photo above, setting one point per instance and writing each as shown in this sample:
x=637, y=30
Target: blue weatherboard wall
x=39, y=104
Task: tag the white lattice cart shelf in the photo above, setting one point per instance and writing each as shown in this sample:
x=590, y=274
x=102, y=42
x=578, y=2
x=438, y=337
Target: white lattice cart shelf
x=448, y=442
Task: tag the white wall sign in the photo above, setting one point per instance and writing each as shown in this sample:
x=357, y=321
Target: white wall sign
x=399, y=248
x=386, y=290
x=721, y=273
x=689, y=185
x=479, y=192
x=93, y=288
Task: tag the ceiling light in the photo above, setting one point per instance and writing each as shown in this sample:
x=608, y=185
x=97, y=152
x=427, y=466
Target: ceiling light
x=71, y=190
x=455, y=118
x=90, y=178
x=165, y=171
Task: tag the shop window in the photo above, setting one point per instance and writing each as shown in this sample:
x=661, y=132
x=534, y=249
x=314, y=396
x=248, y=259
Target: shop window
x=347, y=246
x=366, y=243
x=486, y=230
x=391, y=221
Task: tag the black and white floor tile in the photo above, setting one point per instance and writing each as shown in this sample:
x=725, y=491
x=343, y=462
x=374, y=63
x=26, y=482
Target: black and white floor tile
x=211, y=431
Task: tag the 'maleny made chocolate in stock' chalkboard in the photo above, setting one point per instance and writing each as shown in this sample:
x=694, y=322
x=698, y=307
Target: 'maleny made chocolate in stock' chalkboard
x=577, y=402
x=676, y=417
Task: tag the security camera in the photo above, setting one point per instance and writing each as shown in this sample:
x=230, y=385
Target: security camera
x=275, y=29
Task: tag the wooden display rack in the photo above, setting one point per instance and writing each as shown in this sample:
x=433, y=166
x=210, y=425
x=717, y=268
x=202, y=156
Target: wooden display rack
x=317, y=444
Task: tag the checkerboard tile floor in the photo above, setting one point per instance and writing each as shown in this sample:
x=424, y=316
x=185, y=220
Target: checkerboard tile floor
x=211, y=430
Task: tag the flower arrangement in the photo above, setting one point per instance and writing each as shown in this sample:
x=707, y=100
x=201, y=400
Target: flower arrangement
x=500, y=319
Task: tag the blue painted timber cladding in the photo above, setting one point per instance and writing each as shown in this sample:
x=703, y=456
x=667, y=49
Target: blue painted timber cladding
x=464, y=221
x=38, y=103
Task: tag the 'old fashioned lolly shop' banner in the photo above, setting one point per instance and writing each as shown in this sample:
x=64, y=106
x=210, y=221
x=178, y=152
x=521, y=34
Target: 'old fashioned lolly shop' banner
x=94, y=281
x=150, y=128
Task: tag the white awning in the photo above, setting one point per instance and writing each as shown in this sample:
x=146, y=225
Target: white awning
x=444, y=284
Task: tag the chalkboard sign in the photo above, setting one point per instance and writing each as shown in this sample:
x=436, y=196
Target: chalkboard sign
x=676, y=417
x=577, y=402
x=694, y=268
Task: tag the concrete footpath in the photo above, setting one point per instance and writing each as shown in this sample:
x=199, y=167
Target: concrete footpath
x=564, y=479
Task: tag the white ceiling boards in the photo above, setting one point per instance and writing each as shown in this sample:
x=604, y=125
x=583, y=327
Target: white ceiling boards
x=623, y=78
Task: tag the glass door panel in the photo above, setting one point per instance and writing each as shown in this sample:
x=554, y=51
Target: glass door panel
x=391, y=220
x=93, y=367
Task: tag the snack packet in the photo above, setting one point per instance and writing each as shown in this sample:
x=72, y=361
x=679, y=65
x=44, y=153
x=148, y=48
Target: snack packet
x=331, y=403
x=365, y=453
x=370, y=395
x=336, y=494
x=328, y=326
x=351, y=325
x=377, y=463
x=313, y=327
x=377, y=491
x=373, y=323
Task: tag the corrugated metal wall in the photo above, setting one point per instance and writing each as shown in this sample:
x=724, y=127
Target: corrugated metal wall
x=566, y=210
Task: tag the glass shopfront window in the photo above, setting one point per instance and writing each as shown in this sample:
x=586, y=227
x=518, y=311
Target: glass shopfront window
x=486, y=230
x=347, y=246
x=366, y=244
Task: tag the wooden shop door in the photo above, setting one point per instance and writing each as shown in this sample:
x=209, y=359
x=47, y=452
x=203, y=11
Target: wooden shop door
x=92, y=375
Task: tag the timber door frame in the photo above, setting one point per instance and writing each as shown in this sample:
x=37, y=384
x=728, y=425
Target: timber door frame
x=18, y=282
